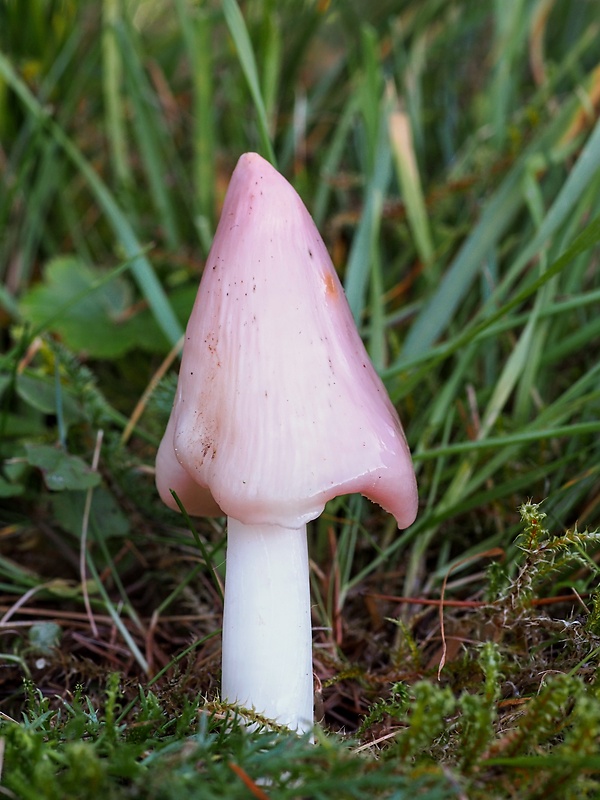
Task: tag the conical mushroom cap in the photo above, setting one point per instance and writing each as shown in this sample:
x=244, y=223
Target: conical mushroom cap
x=278, y=407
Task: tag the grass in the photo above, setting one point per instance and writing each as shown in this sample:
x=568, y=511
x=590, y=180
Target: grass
x=450, y=154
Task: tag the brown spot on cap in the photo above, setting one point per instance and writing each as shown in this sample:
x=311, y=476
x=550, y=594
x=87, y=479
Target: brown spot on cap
x=331, y=287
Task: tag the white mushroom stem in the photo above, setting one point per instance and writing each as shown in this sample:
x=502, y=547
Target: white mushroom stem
x=267, y=639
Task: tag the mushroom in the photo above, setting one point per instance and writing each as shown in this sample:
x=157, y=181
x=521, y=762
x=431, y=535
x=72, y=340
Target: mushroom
x=278, y=410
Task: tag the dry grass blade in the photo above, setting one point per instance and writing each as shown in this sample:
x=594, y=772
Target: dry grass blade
x=492, y=553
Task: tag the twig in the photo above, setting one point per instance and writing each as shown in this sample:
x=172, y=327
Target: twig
x=248, y=782
x=427, y=601
x=21, y=602
x=383, y=738
x=154, y=381
x=84, y=532
x=78, y=616
x=494, y=551
x=431, y=601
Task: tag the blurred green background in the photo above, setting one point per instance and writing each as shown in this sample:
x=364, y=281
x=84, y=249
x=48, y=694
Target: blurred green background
x=449, y=152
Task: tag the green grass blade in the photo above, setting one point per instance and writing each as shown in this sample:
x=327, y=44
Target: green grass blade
x=501, y=442
x=510, y=29
x=409, y=179
x=115, y=616
x=113, y=97
x=330, y=164
x=579, y=178
x=197, y=31
x=141, y=268
x=589, y=237
x=498, y=215
x=239, y=34
x=148, y=125
x=359, y=260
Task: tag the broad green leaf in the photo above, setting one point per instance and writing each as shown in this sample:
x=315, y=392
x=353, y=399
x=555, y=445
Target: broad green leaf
x=40, y=393
x=8, y=489
x=98, y=318
x=61, y=470
x=44, y=637
x=16, y=426
x=106, y=518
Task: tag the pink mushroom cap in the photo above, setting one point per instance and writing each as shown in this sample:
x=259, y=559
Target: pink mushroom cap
x=278, y=407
